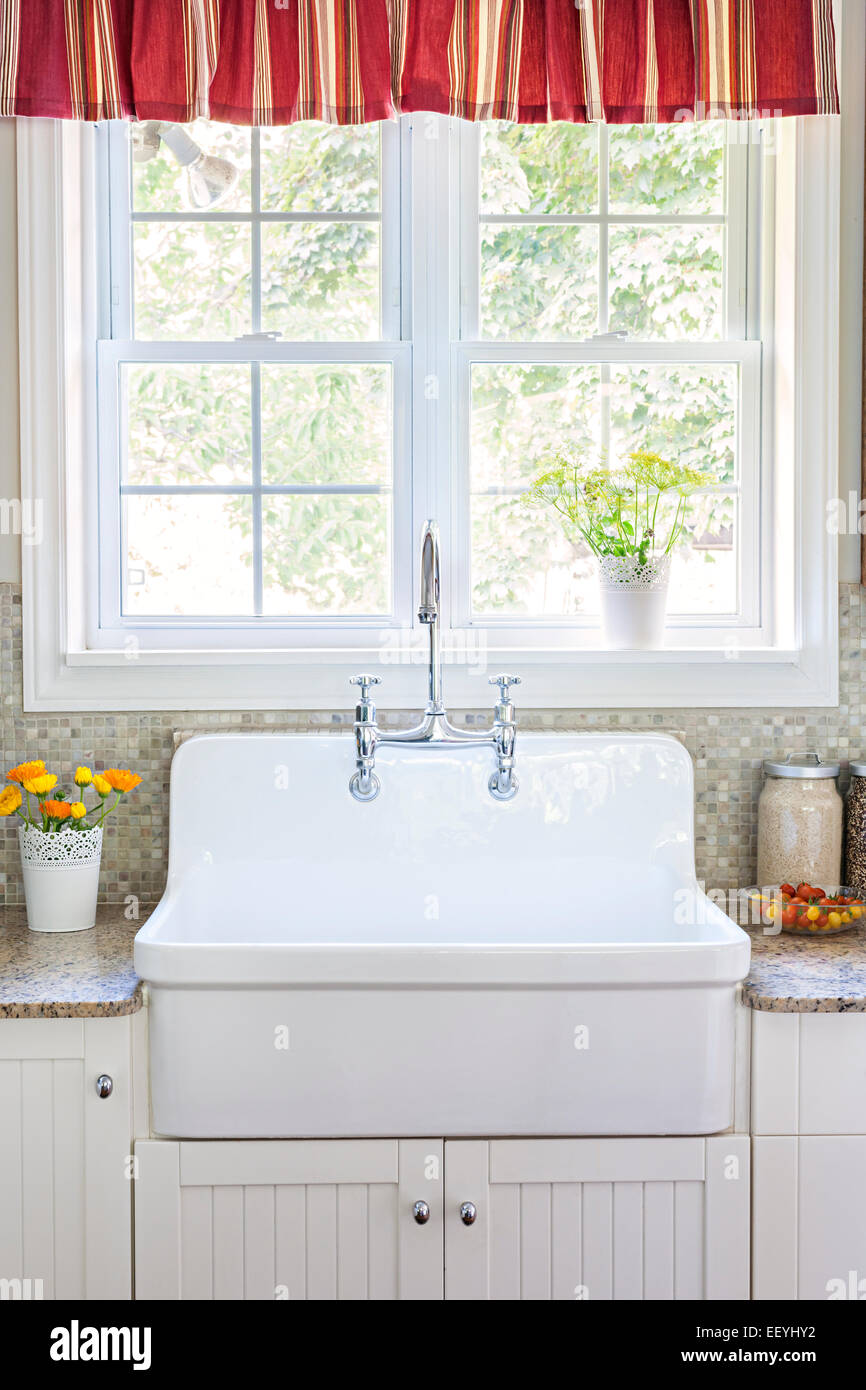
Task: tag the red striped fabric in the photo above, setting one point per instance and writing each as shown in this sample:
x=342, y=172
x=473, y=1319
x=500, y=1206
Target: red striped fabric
x=273, y=62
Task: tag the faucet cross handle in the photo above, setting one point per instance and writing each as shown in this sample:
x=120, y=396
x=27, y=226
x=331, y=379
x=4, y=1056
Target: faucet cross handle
x=503, y=682
x=365, y=682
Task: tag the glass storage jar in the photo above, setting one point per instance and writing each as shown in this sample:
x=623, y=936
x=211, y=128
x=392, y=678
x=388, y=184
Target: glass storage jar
x=800, y=823
x=855, y=830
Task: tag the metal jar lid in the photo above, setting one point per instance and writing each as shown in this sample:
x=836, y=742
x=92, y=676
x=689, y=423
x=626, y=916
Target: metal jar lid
x=858, y=769
x=801, y=765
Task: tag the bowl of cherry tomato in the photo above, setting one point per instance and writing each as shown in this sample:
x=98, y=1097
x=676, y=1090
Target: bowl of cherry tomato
x=806, y=909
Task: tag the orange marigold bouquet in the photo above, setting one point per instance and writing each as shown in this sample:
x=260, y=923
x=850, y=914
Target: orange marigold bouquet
x=32, y=794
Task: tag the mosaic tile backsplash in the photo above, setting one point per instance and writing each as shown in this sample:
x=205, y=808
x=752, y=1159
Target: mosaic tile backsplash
x=727, y=745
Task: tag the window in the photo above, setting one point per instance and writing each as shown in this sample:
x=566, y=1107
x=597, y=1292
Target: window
x=256, y=372
x=311, y=339
x=605, y=301
x=248, y=394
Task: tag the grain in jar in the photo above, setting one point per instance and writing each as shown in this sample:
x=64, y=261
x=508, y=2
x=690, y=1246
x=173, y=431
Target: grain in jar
x=800, y=822
x=855, y=831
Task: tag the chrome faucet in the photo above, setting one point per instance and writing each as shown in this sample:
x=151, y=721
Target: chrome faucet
x=435, y=728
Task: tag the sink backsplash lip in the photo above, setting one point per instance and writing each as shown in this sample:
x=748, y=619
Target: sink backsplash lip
x=727, y=746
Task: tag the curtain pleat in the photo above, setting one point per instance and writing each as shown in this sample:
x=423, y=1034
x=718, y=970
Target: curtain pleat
x=274, y=62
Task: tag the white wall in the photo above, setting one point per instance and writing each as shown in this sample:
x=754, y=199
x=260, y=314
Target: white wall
x=9, y=471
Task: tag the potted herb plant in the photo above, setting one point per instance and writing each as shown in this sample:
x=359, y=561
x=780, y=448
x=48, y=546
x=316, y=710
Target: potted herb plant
x=61, y=840
x=631, y=519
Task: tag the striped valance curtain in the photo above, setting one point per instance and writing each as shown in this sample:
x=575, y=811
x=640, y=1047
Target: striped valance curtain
x=273, y=62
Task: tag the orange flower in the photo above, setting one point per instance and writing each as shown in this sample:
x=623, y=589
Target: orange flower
x=10, y=800
x=57, y=810
x=120, y=780
x=24, y=771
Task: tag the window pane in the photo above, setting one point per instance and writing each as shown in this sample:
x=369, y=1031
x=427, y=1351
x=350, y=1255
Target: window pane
x=311, y=167
x=187, y=423
x=539, y=282
x=704, y=572
x=521, y=412
x=537, y=168
x=326, y=424
x=326, y=555
x=666, y=282
x=192, y=279
x=162, y=183
x=321, y=281
x=678, y=168
x=686, y=413
x=188, y=556
x=524, y=565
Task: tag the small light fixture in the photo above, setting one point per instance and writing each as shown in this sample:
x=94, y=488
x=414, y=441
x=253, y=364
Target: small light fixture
x=209, y=178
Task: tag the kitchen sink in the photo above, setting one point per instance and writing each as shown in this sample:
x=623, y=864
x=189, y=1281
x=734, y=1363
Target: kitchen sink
x=436, y=962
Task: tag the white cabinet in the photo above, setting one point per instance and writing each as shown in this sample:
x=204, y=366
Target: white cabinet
x=553, y=1218
x=297, y=1219
x=598, y=1218
x=809, y=1155
x=810, y=1217
x=65, y=1193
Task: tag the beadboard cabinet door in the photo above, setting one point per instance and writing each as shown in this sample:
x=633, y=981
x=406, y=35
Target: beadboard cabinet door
x=65, y=1190
x=288, y=1219
x=598, y=1218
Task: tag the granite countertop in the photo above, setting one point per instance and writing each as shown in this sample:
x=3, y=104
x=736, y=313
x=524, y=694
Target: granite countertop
x=808, y=974
x=86, y=974
x=90, y=974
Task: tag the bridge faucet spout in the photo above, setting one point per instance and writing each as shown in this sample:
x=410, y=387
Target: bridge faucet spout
x=428, y=613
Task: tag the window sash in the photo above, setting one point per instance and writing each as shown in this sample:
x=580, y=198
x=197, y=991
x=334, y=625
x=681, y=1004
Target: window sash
x=109, y=624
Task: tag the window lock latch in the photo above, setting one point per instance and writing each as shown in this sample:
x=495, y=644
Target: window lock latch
x=619, y=335
x=269, y=337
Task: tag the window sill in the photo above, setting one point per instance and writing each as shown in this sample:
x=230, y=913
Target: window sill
x=673, y=678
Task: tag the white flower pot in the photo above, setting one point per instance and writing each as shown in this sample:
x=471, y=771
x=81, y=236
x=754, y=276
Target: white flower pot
x=634, y=600
x=61, y=877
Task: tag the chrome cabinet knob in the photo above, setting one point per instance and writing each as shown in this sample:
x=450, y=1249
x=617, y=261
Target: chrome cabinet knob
x=421, y=1213
x=468, y=1213
x=104, y=1086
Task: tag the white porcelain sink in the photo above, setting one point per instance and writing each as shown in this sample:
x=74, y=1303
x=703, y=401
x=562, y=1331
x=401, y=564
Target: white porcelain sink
x=436, y=962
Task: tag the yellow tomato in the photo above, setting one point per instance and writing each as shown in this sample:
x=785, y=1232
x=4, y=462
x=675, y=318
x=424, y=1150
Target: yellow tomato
x=834, y=920
x=856, y=912
x=812, y=913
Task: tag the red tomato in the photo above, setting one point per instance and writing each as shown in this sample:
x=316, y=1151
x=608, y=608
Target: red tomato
x=822, y=920
x=788, y=891
x=789, y=917
x=817, y=893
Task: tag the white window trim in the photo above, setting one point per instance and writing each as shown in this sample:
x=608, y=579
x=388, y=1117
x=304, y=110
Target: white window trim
x=57, y=299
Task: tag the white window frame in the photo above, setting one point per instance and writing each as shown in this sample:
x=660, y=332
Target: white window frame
x=65, y=670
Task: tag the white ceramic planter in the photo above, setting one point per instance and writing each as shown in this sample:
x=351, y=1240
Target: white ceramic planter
x=634, y=599
x=61, y=878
